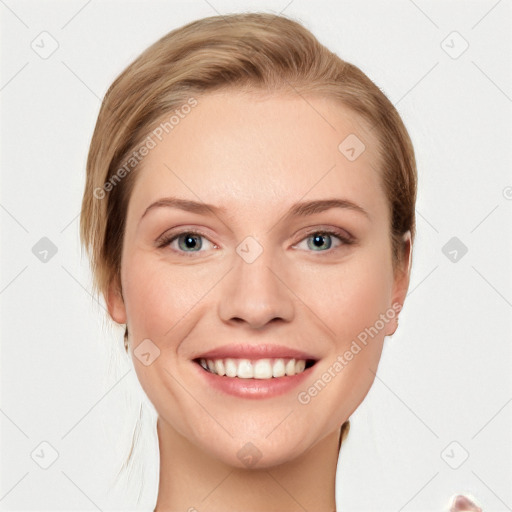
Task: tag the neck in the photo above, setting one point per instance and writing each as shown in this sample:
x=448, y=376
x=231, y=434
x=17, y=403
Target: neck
x=191, y=481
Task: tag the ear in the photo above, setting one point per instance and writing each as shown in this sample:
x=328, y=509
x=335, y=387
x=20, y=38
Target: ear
x=115, y=302
x=401, y=282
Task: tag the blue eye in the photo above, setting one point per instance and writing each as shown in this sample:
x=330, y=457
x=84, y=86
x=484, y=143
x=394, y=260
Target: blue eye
x=321, y=240
x=190, y=242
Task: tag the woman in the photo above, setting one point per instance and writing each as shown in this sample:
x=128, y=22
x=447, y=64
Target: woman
x=249, y=213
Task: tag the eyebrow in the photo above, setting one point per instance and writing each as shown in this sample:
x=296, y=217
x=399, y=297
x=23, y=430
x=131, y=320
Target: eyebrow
x=300, y=209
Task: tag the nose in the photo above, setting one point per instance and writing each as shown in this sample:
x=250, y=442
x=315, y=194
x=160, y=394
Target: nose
x=256, y=293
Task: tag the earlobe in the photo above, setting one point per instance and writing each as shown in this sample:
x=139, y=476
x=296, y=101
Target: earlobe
x=115, y=303
x=395, y=323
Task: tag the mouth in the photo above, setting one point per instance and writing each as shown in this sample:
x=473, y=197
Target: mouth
x=254, y=370
x=262, y=369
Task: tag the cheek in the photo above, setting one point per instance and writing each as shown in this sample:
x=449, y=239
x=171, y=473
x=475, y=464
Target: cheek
x=355, y=299
x=348, y=297
x=159, y=296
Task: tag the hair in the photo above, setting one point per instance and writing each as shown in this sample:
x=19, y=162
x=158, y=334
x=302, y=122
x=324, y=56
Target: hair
x=253, y=52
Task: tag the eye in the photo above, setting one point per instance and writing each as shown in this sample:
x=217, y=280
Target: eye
x=321, y=240
x=187, y=242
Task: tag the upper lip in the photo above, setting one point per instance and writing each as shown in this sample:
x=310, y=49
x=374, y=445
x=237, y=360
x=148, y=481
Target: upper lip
x=240, y=351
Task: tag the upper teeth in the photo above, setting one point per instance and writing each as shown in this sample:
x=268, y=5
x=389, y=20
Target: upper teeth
x=254, y=369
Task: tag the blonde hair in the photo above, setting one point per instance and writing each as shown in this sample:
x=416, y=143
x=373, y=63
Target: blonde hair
x=249, y=51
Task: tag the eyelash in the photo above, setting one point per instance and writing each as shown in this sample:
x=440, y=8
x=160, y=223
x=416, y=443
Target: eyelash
x=166, y=240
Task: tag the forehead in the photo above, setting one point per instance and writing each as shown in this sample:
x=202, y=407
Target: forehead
x=263, y=151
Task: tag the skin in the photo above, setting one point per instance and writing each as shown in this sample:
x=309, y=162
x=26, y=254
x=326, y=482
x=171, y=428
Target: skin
x=256, y=155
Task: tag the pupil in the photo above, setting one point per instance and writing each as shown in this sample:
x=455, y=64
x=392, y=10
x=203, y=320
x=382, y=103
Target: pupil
x=318, y=240
x=190, y=241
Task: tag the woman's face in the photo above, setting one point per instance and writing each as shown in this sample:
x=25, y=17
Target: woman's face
x=252, y=283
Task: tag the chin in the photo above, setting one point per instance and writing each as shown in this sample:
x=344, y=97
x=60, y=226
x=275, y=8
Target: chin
x=256, y=454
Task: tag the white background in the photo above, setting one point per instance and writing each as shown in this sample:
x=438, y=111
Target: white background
x=444, y=376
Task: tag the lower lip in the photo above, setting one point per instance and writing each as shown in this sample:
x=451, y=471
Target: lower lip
x=253, y=388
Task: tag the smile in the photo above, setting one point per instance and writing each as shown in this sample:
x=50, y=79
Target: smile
x=254, y=370
x=267, y=368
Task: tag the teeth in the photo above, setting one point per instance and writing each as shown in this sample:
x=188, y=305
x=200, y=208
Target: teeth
x=290, y=367
x=263, y=369
x=257, y=369
x=231, y=367
x=279, y=368
x=219, y=367
x=245, y=370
